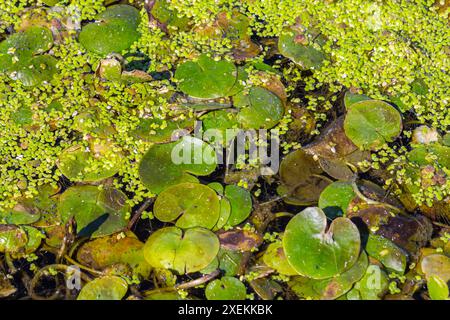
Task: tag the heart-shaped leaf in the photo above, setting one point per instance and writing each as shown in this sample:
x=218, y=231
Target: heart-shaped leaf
x=191, y=251
x=168, y=164
x=114, y=30
x=191, y=204
x=371, y=123
x=227, y=288
x=316, y=252
x=206, y=78
x=104, y=288
x=97, y=212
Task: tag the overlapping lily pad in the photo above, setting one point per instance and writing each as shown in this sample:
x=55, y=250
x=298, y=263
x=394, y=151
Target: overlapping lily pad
x=168, y=164
x=190, y=204
x=97, y=212
x=229, y=261
x=183, y=252
x=352, y=98
x=114, y=30
x=316, y=252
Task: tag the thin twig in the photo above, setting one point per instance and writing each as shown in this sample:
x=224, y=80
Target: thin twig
x=186, y=285
x=139, y=212
x=199, y=281
x=374, y=202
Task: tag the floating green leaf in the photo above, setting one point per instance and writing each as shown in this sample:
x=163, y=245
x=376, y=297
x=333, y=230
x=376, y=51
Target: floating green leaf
x=275, y=258
x=301, y=183
x=371, y=123
x=229, y=261
x=114, y=30
x=300, y=46
x=241, y=204
x=206, y=78
x=331, y=288
x=335, y=198
x=191, y=251
x=227, y=288
x=352, y=98
x=316, y=252
x=191, y=204
x=97, y=212
x=168, y=164
x=80, y=164
x=12, y=239
x=107, y=251
x=384, y=250
x=21, y=56
x=104, y=288
x=437, y=288
x=372, y=286
x=157, y=131
x=259, y=108
x=436, y=265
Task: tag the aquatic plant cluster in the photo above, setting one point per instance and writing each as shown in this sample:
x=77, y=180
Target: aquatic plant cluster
x=92, y=92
